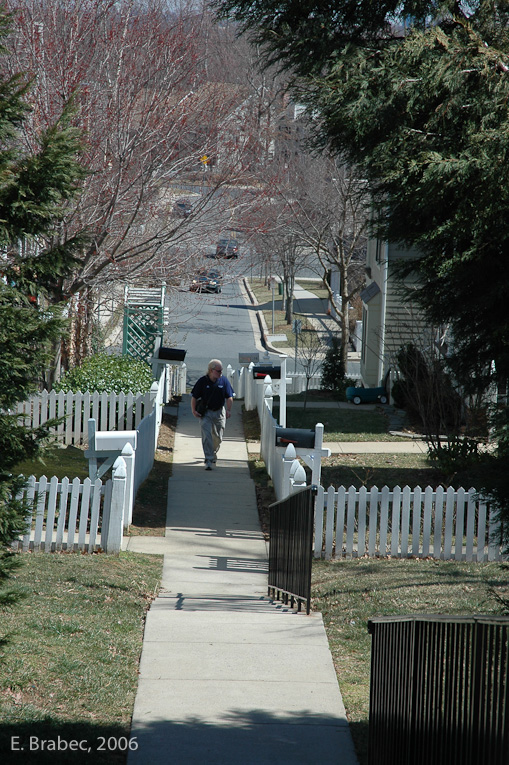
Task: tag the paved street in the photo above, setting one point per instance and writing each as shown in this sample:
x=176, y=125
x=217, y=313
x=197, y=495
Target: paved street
x=211, y=326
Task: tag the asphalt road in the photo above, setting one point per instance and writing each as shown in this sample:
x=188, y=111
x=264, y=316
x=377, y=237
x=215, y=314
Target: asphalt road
x=214, y=326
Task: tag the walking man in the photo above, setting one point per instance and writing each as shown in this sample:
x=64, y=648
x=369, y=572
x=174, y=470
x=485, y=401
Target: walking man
x=211, y=403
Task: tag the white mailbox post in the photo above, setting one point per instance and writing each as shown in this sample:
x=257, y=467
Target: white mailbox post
x=104, y=446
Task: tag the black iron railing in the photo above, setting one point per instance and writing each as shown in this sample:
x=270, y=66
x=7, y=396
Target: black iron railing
x=291, y=548
x=439, y=690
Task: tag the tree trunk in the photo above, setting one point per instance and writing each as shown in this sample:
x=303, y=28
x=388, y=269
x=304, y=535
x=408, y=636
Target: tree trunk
x=289, y=287
x=345, y=318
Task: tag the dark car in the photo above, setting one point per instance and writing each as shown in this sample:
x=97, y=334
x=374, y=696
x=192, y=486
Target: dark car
x=183, y=207
x=227, y=248
x=206, y=281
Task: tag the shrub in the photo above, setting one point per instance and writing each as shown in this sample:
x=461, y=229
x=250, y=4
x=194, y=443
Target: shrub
x=108, y=374
x=458, y=453
x=333, y=369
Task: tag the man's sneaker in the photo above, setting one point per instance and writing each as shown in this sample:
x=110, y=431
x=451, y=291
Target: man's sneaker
x=208, y=465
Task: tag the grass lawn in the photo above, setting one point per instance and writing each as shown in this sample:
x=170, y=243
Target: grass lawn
x=315, y=287
x=379, y=470
x=264, y=298
x=349, y=592
x=341, y=424
x=56, y=460
x=70, y=651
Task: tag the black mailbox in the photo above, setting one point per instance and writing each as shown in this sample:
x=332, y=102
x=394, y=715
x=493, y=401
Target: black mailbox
x=171, y=354
x=296, y=436
x=260, y=372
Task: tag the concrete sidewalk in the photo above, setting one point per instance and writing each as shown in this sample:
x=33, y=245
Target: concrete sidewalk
x=226, y=675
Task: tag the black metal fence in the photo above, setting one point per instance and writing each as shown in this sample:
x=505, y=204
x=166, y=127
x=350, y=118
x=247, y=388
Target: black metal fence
x=439, y=690
x=291, y=548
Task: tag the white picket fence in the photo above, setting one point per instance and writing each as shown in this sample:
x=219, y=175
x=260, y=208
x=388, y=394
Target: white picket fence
x=440, y=523
x=111, y=411
x=281, y=462
x=295, y=382
x=137, y=447
x=74, y=515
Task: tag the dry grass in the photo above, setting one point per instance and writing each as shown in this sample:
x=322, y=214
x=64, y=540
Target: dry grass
x=71, y=648
x=350, y=592
x=149, y=513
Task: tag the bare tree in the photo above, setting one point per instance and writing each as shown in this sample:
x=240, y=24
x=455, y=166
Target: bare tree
x=310, y=348
x=327, y=205
x=153, y=129
x=283, y=255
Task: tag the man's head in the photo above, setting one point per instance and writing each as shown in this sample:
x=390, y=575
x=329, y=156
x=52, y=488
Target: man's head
x=215, y=369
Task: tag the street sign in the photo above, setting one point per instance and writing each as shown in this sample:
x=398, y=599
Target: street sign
x=297, y=326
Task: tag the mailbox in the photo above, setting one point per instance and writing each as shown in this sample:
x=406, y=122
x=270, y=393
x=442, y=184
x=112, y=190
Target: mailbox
x=171, y=354
x=260, y=372
x=114, y=440
x=299, y=437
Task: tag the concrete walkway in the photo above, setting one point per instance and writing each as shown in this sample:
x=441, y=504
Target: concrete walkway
x=227, y=676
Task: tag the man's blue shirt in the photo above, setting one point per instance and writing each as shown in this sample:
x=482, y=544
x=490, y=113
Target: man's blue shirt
x=216, y=398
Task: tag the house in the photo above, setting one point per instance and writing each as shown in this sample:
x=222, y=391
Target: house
x=389, y=319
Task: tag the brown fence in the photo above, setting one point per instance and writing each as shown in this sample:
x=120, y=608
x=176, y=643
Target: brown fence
x=439, y=690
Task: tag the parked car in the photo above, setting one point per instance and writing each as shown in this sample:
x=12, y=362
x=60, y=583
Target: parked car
x=206, y=281
x=183, y=208
x=227, y=248
x=366, y=395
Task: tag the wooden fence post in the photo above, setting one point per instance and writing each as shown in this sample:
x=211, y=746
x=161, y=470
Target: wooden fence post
x=129, y=457
x=114, y=534
x=92, y=460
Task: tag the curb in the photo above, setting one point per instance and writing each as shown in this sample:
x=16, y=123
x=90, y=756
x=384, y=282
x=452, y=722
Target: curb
x=261, y=322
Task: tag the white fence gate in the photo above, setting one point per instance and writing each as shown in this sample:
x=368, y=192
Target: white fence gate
x=440, y=523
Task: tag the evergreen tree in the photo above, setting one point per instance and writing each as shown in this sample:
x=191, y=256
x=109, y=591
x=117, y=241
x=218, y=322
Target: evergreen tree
x=35, y=185
x=333, y=367
x=415, y=93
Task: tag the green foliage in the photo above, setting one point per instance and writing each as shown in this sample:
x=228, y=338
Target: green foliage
x=26, y=335
x=426, y=119
x=307, y=37
x=108, y=374
x=499, y=423
x=36, y=182
x=415, y=94
x=333, y=368
x=491, y=477
x=456, y=454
